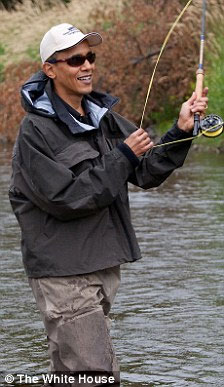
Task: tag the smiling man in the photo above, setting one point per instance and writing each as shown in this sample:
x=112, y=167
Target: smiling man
x=72, y=162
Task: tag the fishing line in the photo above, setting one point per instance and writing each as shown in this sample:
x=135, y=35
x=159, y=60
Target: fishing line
x=202, y=133
x=160, y=54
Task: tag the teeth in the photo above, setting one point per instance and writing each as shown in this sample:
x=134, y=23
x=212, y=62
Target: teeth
x=85, y=78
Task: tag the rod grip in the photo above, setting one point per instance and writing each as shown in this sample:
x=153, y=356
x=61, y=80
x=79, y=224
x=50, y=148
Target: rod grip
x=199, y=82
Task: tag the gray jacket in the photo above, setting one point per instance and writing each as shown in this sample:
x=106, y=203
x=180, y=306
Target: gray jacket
x=69, y=184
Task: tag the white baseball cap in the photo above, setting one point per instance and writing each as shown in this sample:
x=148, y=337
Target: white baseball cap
x=64, y=36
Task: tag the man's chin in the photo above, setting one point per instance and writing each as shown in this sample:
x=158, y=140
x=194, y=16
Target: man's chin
x=87, y=90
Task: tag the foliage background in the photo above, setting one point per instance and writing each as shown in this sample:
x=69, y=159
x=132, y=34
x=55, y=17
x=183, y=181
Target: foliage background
x=133, y=32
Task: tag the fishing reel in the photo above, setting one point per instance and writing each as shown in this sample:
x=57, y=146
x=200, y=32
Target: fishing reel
x=211, y=126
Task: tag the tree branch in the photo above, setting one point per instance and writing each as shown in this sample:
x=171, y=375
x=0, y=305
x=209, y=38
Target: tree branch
x=136, y=61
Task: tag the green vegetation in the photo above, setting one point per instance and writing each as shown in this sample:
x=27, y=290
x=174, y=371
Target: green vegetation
x=2, y=51
x=215, y=80
x=1, y=72
x=164, y=118
x=107, y=25
x=33, y=53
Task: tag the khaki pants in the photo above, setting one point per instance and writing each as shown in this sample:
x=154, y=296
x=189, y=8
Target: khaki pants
x=75, y=313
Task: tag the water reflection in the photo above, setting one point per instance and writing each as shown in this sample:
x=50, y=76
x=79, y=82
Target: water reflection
x=168, y=316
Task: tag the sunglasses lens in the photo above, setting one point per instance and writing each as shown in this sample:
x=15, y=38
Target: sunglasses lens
x=76, y=60
x=91, y=57
x=79, y=60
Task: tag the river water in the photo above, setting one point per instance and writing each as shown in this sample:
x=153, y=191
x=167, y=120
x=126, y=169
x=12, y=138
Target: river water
x=168, y=317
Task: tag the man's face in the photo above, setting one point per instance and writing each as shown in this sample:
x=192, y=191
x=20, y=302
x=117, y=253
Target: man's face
x=73, y=80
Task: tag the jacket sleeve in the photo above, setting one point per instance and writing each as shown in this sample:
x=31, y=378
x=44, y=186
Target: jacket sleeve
x=158, y=163
x=55, y=189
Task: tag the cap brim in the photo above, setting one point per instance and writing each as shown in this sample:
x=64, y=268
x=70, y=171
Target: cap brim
x=93, y=38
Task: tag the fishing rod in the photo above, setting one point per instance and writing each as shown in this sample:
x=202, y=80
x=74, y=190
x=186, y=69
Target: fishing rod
x=212, y=124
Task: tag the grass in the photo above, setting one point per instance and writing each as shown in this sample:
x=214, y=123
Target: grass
x=1, y=72
x=33, y=53
x=2, y=52
x=2, y=49
x=215, y=81
x=21, y=31
x=214, y=78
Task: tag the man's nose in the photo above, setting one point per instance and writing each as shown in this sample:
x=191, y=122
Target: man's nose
x=87, y=64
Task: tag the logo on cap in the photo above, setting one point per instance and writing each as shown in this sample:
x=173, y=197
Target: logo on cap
x=71, y=30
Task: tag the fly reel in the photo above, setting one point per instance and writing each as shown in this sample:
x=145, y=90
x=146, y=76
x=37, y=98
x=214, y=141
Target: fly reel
x=211, y=126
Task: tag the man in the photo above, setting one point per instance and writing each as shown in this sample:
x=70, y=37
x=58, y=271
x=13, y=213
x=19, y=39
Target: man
x=72, y=162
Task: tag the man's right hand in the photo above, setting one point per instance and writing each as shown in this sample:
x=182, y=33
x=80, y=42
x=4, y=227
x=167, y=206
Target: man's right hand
x=139, y=142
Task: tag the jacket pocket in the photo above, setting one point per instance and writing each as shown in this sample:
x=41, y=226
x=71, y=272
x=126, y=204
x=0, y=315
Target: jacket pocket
x=76, y=153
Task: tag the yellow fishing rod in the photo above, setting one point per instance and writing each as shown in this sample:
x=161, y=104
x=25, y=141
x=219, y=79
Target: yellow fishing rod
x=212, y=124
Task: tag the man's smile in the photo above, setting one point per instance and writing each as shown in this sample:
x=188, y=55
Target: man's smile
x=85, y=79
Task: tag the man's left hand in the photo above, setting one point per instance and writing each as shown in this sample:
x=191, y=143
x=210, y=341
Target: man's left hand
x=189, y=108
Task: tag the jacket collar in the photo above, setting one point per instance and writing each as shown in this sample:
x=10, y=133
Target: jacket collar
x=37, y=97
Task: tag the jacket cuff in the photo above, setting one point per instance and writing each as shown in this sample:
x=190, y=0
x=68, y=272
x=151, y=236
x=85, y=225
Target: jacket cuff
x=180, y=132
x=126, y=150
x=175, y=133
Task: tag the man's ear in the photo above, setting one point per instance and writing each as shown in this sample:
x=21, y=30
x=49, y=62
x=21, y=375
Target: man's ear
x=48, y=69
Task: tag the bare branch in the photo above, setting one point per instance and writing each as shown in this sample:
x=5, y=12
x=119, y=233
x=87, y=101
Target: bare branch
x=136, y=61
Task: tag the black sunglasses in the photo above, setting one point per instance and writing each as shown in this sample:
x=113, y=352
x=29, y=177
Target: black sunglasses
x=76, y=60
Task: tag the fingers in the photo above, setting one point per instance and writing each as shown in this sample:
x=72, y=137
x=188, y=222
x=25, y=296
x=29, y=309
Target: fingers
x=191, y=106
x=139, y=142
x=200, y=106
x=205, y=92
x=151, y=145
x=193, y=98
x=140, y=132
x=141, y=136
x=144, y=140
